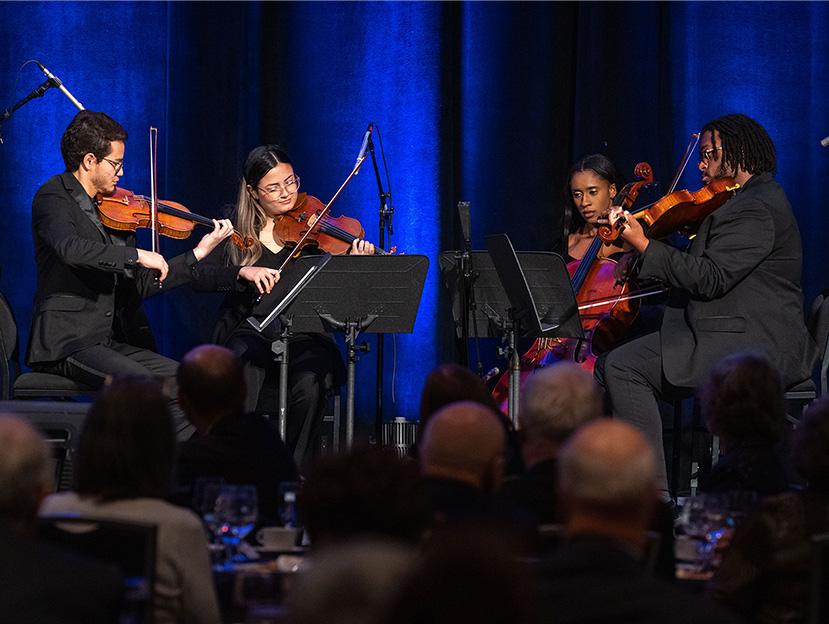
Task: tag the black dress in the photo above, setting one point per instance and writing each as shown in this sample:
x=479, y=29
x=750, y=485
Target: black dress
x=315, y=364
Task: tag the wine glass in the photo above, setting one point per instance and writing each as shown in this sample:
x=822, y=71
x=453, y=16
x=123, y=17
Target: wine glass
x=288, y=492
x=238, y=506
x=704, y=519
x=205, y=492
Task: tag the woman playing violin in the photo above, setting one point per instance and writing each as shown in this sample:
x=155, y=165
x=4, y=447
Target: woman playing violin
x=269, y=189
x=592, y=183
x=88, y=320
x=737, y=288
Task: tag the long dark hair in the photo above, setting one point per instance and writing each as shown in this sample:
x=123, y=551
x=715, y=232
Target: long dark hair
x=248, y=216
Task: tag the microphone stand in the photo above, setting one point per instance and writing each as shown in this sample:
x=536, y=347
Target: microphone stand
x=386, y=213
x=36, y=93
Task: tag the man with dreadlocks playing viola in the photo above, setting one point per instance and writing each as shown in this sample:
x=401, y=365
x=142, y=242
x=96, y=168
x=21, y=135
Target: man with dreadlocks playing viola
x=737, y=288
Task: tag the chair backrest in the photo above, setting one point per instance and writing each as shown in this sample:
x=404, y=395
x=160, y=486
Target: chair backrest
x=818, y=325
x=9, y=348
x=132, y=546
x=819, y=580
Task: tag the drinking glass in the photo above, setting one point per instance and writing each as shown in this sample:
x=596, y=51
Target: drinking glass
x=288, y=492
x=205, y=493
x=705, y=519
x=237, y=505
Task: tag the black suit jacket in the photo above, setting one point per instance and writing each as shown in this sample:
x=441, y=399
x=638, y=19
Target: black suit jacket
x=737, y=288
x=243, y=449
x=43, y=584
x=595, y=580
x=89, y=285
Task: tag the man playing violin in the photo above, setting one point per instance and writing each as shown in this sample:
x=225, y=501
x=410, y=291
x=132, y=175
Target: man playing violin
x=88, y=321
x=746, y=255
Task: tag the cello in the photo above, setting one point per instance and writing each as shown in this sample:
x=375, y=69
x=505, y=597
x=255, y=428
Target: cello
x=604, y=324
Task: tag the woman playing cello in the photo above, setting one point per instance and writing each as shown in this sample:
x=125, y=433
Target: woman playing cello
x=269, y=189
x=592, y=183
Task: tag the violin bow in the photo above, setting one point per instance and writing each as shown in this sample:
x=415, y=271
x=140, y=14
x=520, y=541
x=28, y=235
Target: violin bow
x=155, y=244
x=685, y=160
x=324, y=210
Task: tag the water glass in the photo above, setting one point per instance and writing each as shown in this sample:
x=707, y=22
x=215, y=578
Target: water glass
x=704, y=519
x=238, y=507
x=288, y=493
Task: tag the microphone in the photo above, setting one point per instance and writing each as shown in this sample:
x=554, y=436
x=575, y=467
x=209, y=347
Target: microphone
x=825, y=142
x=466, y=228
x=364, y=146
x=492, y=373
x=60, y=86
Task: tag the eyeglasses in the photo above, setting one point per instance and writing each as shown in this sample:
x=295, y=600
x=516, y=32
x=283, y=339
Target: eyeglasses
x=118, y=165
x=706, y=155
x=291, y=184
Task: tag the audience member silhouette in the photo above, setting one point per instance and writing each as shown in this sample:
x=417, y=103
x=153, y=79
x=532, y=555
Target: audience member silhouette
x=764, y=574
x=742, y=402
x=462, y=460
x=351, y=583
x=607, y=490
x=363, y=493
x=450, y=383
x=124, y=472
x=555, y=401
x=467, y=576
x=241, y=448
x=40, y=583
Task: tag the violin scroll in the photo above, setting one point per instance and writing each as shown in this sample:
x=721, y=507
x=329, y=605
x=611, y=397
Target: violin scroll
x=644, y=175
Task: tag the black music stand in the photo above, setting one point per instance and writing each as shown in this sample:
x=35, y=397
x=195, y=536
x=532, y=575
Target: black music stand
x=515, y=293
x=280, y=345
x=353, y=294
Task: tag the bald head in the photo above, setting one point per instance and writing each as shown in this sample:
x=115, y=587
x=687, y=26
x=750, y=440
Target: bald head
x=24, y=479
x=555, y=401
x=211, y=384
x=607, y=470
x=465, y=442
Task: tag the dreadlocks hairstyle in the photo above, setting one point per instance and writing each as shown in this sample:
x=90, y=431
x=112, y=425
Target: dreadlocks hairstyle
x=745, y=143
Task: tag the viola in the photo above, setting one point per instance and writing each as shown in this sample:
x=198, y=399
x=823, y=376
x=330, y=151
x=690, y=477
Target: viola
x=605, y=308
x=680, y=211
x=125, y=210
x=303, y=225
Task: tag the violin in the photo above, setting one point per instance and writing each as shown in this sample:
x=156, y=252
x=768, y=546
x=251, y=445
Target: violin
x=303, y=225
x=605, y=307
x=125, y=210
x=680, y=211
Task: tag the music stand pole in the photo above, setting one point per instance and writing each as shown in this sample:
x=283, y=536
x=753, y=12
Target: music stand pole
x=280, y=352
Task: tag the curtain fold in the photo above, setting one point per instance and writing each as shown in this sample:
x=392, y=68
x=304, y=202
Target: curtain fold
x=485, y=102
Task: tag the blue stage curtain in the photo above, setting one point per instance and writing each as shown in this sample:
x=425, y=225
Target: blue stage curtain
x=485, y=102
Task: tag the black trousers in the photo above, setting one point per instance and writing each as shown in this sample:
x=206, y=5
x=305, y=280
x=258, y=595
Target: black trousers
x=94, y=364
x=631, y=375
x=311, y=365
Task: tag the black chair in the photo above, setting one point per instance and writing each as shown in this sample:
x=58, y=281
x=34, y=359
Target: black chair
x=819, y=580
x=704, y=447
x=818, y=324
x=29, y=385
x=131, y=546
